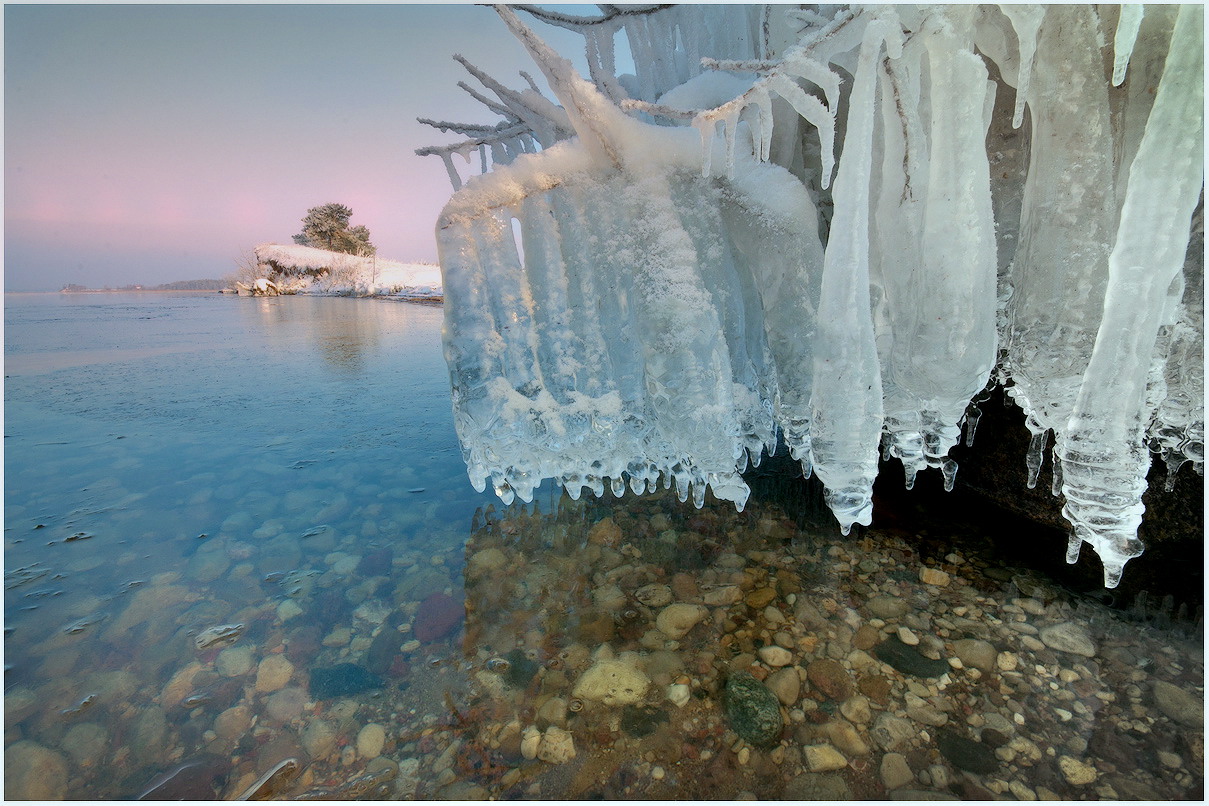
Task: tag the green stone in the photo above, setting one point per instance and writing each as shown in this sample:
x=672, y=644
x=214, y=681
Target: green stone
x=752, y=710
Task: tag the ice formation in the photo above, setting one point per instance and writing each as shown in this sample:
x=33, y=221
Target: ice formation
x=786, y=223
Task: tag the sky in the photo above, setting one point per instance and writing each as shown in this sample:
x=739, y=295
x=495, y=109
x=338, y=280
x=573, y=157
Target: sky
x=152, y=143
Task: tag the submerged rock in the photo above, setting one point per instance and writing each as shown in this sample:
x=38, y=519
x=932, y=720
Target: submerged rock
x=966, y=754
x=342, y=680
x=439, y=615
x=612, y=682
x=752, y=710
x=908, y=660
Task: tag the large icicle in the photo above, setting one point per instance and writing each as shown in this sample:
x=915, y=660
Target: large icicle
x=1104, y=457
x=846, y=400
x=942, y=311
x=1061, y=263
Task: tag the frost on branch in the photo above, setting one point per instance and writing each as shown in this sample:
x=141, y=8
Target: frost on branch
x=781, y=226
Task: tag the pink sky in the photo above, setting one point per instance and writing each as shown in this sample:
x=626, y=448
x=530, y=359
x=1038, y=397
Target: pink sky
x=157, y=143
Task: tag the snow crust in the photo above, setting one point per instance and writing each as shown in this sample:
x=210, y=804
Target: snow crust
x=351, y=275
x=711, y=258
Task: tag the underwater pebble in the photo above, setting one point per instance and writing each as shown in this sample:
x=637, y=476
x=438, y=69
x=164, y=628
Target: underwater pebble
x=676, y=620
x=823, y=758
x=273, y=673
x=34, y=772
x=557, y=746
x=933, y=576
x=370, y=741
x=234, y=661
x=612, y=682
x=895, y=772
x=1075, y=771
x=775, y=655
x=1068, y=637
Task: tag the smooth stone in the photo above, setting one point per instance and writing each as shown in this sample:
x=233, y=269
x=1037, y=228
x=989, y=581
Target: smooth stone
x=775, y=655
x=531, y=740
x=288, y=609
x=921, y=794
x=557, y=746
x=866, y=637
x=890, y=731
x=723, y=597
x=273, y=673
x=612, y=682
x=829, y=677
x=86, y=743
x=760, y=598
x=286, y=705
x=907, y=637
x=887, y=607
x=319, y=738
x=895, y=771
x=825, y=786
x=34, y=772
x=752, y=710
x=370, y=741
x=933, y=576
x=654, y=595
x=1075, y=771
x=966, y=754
x=846, y=737
x=676, y=620
x=908, y=660
x=823, y=758
x=976, y=654
x=233, y=722
x=1178, y=704
x=786, y=684
x=1068, y=637
x=234, y=661
x=856, y=709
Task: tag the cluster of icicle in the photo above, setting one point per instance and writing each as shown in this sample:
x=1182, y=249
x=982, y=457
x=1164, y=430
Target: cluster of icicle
x=698, y=270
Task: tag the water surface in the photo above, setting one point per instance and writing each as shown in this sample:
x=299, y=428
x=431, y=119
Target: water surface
x=242, y=558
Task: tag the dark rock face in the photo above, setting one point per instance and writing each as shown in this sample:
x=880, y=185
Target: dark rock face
x=907, y=659
x=342, y=680
x=752, y=710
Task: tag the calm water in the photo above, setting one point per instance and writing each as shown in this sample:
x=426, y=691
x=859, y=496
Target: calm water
x=242, y=557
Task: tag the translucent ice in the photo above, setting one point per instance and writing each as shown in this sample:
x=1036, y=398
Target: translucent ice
x=847, y=270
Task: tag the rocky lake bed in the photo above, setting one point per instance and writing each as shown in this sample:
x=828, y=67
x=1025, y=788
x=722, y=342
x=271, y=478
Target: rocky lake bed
x=610, y=649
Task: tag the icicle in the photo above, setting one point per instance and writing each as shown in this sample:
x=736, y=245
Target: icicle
x=1026, y=20
x=454, y=178
x=1122, y=45
x=1036, y=455
x=846, y=399
x=1055, y=486
x=816, y=115
x=1103, y=454
x=973, y=415
x=948, y=470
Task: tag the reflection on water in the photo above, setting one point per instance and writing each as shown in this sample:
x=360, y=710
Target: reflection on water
x=296, y=598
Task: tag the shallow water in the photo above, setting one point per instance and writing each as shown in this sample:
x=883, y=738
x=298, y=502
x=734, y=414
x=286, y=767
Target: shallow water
x=251, y=540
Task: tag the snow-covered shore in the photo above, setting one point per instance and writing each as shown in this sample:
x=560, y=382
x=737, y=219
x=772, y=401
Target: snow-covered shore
x=292, y=269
